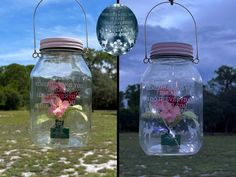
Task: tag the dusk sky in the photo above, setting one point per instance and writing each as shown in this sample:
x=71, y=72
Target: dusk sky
x=216, y=32
x=54, y=18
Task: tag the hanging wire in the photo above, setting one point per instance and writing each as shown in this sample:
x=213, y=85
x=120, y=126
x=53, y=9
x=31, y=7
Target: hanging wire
x=38, y=54
x=171, y=2
x=148, y=59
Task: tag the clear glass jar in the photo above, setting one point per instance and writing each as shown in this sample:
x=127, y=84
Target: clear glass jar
x=171, y=102
x=61, y=95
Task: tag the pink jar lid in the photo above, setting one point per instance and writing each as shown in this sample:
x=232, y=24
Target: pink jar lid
x=171, y=49
x=61, y=42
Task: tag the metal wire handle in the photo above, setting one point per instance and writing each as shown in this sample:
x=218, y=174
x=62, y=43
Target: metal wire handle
x=148, y=60
x=38, y=54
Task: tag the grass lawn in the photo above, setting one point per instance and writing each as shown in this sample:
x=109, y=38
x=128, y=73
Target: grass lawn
x=19, y=157
x=216, y=158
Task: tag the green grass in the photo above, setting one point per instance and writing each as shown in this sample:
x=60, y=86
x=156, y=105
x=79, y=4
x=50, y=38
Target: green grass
x=216, y=158
x=18, y=155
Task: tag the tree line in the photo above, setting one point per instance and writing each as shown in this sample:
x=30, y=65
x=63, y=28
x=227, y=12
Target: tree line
x=15, y=82
x=219, y=100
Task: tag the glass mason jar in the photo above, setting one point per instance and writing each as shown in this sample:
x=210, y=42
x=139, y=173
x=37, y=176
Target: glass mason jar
x=171, y=102
x=60, y=95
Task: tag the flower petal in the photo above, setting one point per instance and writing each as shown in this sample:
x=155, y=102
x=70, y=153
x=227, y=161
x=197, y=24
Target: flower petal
x=176, y=110
x=58, y=112
x=61, y=86
x=47, y=99
x=57, y=101
x=53, y=85
x=65, y=104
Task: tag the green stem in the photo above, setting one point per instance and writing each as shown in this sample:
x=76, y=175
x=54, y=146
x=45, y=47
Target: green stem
x=169, y=129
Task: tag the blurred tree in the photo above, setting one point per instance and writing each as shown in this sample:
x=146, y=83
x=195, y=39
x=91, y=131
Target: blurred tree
x=128, y=121
x=13, y=99
x=2, y=98
x=212, y=112
x=224, y=87
x=104, y=71
x=228, y=105
x=104, y=91
x=132, y=95
x=102, y=61
x=225, y=79
x=121, y=100
x=129, y=117
x=16, y=77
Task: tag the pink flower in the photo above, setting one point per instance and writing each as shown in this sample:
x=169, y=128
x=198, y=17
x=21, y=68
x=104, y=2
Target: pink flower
x=58, y=107
x=167, y=110
x=53, y=85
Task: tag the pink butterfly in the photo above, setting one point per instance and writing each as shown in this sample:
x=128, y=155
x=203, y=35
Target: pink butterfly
x=177, y=101
x=68, y=96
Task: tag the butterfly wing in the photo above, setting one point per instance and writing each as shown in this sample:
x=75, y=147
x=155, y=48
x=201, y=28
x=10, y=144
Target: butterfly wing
x=71, y=97
x=66, y=95
x=61, y=94
x=183, y=101
x=172, y=99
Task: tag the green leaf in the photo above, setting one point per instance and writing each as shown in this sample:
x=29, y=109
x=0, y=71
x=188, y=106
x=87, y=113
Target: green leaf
x=77, y=108
x=42, y=118
x=72, y=108
x=189, y=114
x=150, y=115
x=192, y=116
x=84, y=116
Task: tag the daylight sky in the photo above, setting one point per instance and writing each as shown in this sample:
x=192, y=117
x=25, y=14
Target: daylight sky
x=216, y=30
x=54, y=18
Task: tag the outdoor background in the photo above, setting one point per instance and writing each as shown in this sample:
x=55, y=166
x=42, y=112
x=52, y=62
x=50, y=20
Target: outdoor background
x=55, y=18
x=217, y=42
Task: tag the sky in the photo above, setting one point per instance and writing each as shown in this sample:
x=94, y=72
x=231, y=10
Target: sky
x=54, y=18
x=216, y=33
